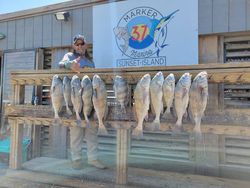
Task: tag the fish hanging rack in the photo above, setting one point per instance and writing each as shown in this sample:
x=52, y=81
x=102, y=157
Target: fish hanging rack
x=233, y=73
x=19, y=114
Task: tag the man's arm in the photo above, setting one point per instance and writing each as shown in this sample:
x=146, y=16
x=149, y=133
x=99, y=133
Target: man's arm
x=66, y=63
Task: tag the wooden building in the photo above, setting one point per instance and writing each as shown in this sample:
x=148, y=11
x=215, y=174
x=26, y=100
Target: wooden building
x=35, y=40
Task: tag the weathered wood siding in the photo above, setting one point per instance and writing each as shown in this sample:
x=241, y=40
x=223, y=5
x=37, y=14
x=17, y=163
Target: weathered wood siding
x=44, y=31
x=215, y=16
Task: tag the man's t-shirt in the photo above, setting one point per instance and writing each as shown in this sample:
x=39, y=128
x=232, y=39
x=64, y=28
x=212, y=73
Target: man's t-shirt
x=69, y=57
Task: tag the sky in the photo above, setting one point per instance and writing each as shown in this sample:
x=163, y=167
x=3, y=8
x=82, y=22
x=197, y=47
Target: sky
x=8, y=6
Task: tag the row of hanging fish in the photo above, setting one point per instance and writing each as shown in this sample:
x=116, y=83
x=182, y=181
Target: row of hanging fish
x=83, y=94
x=150, y=94
x=158, y=92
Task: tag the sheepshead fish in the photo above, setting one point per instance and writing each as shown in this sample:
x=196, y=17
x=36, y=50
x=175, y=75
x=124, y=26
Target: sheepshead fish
x=100, y=102
x=168, y=92
x=56, y=93
x=141, y=105
x=181, y=97
x=76, y=97
x=67, y=93
x=198, y=99
x=156, y=98
x=87, y=92
x=121, y=92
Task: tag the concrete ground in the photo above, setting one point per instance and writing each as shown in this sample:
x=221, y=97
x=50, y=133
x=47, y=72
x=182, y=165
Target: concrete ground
x=46, y=172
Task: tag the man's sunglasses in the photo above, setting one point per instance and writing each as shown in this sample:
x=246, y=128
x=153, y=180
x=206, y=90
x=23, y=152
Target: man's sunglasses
x=80, y=44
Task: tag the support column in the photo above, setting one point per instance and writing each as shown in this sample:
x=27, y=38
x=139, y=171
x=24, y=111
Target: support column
x=16, y=131
x=122, y=141
x=16, y=158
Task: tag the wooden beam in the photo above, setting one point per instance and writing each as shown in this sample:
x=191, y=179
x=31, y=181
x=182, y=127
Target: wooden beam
x=217, y=129
x=217, y=73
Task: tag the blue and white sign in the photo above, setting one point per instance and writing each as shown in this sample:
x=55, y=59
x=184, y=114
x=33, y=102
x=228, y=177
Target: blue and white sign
x=145, y=33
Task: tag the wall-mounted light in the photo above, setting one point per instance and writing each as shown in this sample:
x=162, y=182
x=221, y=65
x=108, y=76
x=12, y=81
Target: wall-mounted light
x=2, y=36
x=62, y=16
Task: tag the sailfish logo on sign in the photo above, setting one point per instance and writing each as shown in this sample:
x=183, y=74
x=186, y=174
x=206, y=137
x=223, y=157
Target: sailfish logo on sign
x=143, y=35
x=160, y=32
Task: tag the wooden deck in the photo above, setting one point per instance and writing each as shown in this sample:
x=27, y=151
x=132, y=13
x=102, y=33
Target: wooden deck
x=46, y=172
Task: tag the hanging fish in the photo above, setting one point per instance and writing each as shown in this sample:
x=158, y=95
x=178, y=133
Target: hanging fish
x=198, y=100
x=100, y=102
x=181, y=97
x=56, y=93
x=141, y=105
x=76, y=98
x=120, y=87
x=87, y=92
x=168, y=92
x=156, y=98
x=67, y=94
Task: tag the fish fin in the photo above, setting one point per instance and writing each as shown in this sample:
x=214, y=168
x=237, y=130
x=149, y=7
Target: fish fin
x=158, y=52
x=156, y=43
x=87, y=123
x=164, y=45
x=95, y=93
x=134, y=112
x=53, y=89
x=167, y=111
x=80, y=92
x=162, y=32
x=184, y=92
x=158, y=28
x=162, y=109
x=73, y=92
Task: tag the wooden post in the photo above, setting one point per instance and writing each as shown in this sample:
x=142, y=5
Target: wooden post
x=36, y=141
x=207, y=155
x=122, y=156
x=16, y=145
x=16, y=131
x=18, y=94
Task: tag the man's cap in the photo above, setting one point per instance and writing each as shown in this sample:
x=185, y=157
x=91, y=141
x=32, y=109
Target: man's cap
x=78, y=37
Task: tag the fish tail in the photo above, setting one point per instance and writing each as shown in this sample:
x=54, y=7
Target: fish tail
x=123, y=109
x=68, y=111
x=87, y=121
x=57, y=121
x=179, y=122
x=102, y=130
x=158, y=52
x=157, y=124
x=164, y=45
x=138, y=131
